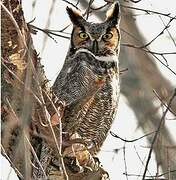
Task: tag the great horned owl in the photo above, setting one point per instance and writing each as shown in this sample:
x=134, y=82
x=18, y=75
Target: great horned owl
x=89, y=80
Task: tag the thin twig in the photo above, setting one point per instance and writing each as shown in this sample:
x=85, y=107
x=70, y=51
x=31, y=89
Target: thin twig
x=98, y=8
x=153, y=54
x=124, y=157
x=130, y=141
x=35, y=156
x=59, y=146
x=68, y=2
x=142, y=161
x=48, y=32
x=165, y=28
x=170, y=35
x=63, y=29
x=47, y=25
x=160, y=175
x=135, y=1
x=148, y=51
x=88, y=8
x=11, y=163
x=148, y=11
x=163, y=103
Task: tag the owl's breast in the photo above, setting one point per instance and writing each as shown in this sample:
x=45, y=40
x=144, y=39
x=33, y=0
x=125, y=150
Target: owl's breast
x=91, y=116
x=98, y=115
x=95, y=117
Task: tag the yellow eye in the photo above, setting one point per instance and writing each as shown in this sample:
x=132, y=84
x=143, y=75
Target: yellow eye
x=107, y=36
x=83, y=35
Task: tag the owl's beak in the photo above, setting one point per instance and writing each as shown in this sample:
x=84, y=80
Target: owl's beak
x=95, y=47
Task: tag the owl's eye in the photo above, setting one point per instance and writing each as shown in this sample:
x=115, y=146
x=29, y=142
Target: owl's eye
x=107, y=36
x=83, y=35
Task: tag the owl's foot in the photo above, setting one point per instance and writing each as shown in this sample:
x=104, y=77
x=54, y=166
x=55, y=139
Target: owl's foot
x=74, y=165
x=93, y=171
x=78, y=157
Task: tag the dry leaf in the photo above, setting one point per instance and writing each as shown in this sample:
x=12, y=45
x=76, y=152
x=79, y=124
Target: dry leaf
x=17, y=61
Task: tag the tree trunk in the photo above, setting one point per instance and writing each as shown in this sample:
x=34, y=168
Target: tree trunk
x=31, y=142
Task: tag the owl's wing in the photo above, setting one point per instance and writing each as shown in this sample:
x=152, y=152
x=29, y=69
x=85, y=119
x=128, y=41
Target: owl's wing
x=78, y=80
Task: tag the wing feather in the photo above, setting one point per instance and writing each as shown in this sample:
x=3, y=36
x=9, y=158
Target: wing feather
x=77, y=80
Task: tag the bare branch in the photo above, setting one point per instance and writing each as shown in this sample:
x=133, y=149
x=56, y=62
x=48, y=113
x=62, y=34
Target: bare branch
x=48, y=32
x=158, y=176
x=75, y=6
x=153, y=54
x=163, y=103
x=130, y=141
x=148, y=11
x=165, y=28
x=124, y=157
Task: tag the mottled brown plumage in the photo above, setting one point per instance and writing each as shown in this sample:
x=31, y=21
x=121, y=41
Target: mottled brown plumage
x=89, y=80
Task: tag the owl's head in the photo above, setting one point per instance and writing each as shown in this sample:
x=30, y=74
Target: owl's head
x=101, y=39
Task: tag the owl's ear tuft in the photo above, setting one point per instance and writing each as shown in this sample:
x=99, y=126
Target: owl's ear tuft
x=113, y=15
x=75, y=16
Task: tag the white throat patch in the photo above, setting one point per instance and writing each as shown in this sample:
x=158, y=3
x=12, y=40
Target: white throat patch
x=110, y=58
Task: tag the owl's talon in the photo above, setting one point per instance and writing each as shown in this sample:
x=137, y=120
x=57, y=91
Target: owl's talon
x=73, y=165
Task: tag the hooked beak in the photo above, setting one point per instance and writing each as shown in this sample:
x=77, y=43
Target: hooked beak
x=95, y=47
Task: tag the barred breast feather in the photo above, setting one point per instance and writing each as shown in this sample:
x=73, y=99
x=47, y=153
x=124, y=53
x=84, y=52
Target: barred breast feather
x=90, y=89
